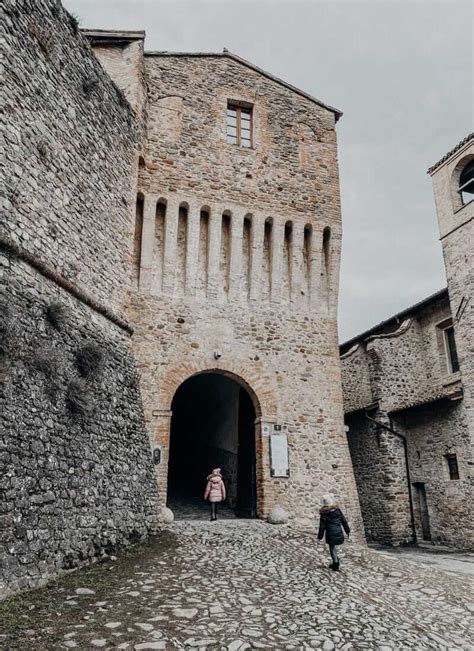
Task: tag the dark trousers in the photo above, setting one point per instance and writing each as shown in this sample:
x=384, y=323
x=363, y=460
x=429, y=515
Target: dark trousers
x=214, y=510
x=333, y=552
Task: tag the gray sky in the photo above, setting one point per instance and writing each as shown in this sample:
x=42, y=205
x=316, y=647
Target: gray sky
x=402, y=74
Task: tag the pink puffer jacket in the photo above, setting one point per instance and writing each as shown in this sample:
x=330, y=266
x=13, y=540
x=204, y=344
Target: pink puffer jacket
x=215, y=489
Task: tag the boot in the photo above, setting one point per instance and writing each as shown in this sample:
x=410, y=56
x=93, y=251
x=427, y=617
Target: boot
x=335, y=566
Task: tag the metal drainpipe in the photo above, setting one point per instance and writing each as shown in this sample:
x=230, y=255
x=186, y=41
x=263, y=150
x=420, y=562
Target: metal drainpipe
x=407, y=467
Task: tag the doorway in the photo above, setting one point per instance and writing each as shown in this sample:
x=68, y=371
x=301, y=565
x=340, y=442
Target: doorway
x=212, y=426
x=422, y=505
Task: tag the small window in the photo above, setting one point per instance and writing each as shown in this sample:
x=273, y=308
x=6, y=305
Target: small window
x=452, y=463
x=466, y=183
x=239, y=125
x=451, y=349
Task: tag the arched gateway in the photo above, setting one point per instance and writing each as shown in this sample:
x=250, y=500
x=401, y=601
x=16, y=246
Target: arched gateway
x=213, y=424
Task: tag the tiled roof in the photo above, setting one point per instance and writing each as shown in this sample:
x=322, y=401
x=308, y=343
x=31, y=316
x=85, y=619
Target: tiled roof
x=463, y=142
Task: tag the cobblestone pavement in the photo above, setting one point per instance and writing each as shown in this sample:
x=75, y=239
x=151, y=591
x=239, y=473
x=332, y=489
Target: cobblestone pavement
x=238, y=585
x=444, y=558
x=186, y=508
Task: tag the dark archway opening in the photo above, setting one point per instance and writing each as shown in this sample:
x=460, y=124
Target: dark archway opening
x=213, y=425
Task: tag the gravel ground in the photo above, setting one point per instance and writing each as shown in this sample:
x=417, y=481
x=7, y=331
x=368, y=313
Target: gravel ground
x=244, y=584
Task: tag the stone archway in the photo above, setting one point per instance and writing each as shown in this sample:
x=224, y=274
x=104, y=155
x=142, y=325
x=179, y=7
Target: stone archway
x=259, y=384
x=262, y=393
x=212, y=425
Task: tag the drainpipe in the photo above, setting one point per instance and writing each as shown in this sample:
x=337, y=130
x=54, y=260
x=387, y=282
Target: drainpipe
x=407, y=467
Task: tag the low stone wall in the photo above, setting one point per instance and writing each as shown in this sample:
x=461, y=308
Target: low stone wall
x=380, y=473
x=76, y=476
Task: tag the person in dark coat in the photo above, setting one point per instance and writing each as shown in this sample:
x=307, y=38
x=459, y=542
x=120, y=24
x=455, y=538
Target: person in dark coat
x=332, y=523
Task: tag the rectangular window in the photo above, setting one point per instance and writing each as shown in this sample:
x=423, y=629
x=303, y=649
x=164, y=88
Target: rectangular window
x=452, y=463
x=239, y=125
x=451, y=349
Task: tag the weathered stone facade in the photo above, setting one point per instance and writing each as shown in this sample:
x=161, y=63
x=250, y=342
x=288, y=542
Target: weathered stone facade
x=456, y=226
x=125, y=202
x=401, y=375
x=75, y=461
x=237, y=263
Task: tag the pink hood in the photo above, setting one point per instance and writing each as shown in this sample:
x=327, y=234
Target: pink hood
x=215, y=488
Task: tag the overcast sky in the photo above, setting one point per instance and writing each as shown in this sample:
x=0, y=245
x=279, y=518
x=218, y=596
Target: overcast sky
x=402, y=74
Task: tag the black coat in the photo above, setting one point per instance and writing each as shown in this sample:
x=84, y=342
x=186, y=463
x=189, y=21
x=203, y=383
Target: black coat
x=331, y=522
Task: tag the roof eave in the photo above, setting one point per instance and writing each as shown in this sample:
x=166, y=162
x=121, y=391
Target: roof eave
x=464, y=142
x=113, y=35
x=396, y=318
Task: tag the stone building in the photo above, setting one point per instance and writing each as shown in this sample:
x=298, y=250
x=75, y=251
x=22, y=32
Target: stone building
x=408, y=387
x=172, y=217
x=235, y=279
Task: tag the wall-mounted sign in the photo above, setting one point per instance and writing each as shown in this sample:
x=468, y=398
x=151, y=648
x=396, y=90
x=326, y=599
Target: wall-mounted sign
x=277, y=428
x=279, y=456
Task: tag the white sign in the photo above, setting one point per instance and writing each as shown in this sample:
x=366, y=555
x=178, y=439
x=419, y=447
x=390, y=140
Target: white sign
x=279, y=456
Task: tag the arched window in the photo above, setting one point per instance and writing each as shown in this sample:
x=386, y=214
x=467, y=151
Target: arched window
x=326, y=248
x=326, y=265
x=307, y=258
x=466, y=183
x=203, y=252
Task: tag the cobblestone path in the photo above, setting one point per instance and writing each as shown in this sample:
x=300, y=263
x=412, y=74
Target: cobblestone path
x=243, y=584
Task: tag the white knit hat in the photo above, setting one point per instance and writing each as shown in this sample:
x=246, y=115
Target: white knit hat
x=328, y=500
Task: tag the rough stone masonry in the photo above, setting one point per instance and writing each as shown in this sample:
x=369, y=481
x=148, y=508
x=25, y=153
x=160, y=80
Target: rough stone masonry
x=237, y=255
x=130, y=209
x=76, y=478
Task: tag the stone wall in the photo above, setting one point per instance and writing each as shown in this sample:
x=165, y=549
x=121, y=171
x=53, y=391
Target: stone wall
x=432, y=432
x=75, y=466
x=456, y=226
x=401, y=377
x=380, y=472
x=70, y=151
x=356, y=379
x=76, y=478
x=121, y=55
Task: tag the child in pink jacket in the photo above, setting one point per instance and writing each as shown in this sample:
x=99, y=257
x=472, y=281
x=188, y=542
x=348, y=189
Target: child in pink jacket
x=215, y=491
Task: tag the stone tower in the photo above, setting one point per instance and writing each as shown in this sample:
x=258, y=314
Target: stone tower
x=453, y=184
x=235, y=280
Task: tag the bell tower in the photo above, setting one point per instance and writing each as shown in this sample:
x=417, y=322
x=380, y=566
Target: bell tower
x=453, y=184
